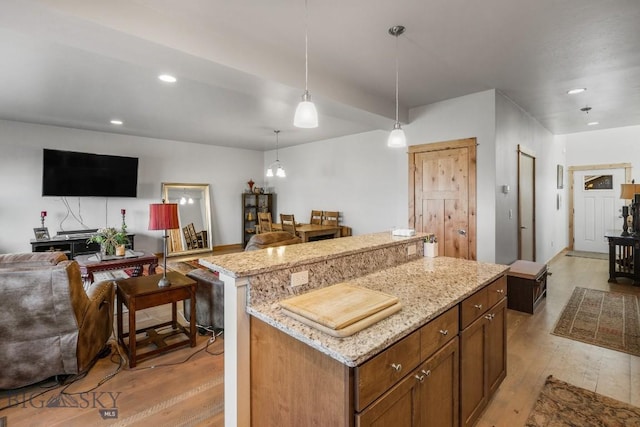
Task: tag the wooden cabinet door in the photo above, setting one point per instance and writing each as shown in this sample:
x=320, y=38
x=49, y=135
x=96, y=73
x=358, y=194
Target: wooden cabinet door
x=474, y=389
x=438, y=405
x=497, y=350
x=398, y=407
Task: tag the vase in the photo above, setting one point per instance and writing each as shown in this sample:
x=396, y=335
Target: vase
x=106, y=249
x=120, y=250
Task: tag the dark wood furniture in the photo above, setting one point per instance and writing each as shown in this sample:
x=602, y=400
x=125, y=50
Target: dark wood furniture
x=624, y=256
x=526, y=285
x=138, y=293
x=90, y=264
x=252, y=204
x=72, y=245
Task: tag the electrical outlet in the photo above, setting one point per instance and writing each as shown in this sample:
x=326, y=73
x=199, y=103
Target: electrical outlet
x=299, y=278
x=411, y=249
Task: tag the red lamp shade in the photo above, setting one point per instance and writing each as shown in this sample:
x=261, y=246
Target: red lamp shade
x=163, y=216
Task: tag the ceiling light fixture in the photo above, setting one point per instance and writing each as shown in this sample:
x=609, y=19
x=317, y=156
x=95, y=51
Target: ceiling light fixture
x=576, y=90
x=306, y=114
x=116, y=122
x=277, y=165
x=397, y=138
x=167, y=78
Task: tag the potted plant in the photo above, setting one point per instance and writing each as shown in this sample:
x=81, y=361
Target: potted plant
x=111, y=241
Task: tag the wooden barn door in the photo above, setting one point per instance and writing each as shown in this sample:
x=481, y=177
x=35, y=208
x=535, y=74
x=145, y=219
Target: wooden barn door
x=442, y=189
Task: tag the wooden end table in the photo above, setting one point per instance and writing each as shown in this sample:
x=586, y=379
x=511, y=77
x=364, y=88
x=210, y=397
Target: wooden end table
x=138, y=293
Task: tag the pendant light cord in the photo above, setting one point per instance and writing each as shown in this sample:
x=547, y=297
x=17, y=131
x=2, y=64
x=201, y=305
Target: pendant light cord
x=306, y=46
x=397, y=66
x=277, y=157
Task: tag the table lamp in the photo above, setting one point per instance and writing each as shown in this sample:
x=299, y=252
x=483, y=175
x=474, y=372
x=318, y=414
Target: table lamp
x=163, y=216
x=627, y=192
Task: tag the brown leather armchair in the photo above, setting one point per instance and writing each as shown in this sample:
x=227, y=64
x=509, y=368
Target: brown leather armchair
x=49, y=325
x=273, y=239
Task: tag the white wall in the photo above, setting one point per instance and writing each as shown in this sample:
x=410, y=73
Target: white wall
x=515, y=126
x=226, y=169
x=619, y=145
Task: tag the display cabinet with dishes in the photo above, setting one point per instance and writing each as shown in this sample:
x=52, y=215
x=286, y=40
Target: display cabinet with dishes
x=252, y=203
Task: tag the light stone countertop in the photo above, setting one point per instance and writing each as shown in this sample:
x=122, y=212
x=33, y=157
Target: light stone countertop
x=255, y=262
x=426, y=288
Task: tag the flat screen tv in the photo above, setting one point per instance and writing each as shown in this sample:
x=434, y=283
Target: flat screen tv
x=70, y=173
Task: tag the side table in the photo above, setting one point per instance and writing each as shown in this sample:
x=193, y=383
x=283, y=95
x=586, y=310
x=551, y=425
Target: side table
x=624, y=256
x=90, y=264
x=138, y=293
x=526, y=285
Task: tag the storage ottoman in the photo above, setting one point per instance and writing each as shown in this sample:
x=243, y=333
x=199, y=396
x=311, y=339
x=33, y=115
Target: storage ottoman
x=209, y=299
x=526, y=285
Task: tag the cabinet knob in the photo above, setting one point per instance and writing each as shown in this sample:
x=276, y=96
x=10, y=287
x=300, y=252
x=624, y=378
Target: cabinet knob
x=489, y=316
x=500, y=291
x=397, y=366
x=420, y=378
x=478, y=306
x=426, y=373
x=444, y=331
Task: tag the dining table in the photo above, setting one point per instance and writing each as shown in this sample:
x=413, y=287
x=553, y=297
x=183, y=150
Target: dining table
x=307, y=231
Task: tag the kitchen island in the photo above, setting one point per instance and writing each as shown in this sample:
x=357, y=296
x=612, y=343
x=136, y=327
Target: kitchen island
x=279, y=371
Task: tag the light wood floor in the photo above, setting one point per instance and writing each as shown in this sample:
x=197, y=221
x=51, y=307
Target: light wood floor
x=534, y=354
x=171, y=395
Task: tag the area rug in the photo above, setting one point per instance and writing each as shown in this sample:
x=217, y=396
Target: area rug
x=584, y=254
x=563, y=404
x=605, y=319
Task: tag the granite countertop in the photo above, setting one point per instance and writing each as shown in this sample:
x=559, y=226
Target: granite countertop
x=256, y=262
x=426, y=288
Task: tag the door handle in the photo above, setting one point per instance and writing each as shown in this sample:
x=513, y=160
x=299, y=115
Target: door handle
x=462, y=232
x=522, y=227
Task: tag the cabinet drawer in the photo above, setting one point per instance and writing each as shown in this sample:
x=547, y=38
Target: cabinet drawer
x=473, y=307
x=497, y=290
x=438, y=332
x=378, y=374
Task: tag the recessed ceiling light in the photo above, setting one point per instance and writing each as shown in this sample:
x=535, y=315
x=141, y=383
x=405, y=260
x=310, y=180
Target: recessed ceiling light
x=167, y=78
x=576, y=90
x=116, y=122
x=593, y=123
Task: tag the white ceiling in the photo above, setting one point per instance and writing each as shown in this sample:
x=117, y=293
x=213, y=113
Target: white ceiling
x=240, y=63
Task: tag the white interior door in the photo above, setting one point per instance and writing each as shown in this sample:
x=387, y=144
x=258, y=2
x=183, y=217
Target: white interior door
x=597, y=207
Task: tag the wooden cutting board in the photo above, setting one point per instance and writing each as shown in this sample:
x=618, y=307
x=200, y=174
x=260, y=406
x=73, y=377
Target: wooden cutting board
x=338, y=306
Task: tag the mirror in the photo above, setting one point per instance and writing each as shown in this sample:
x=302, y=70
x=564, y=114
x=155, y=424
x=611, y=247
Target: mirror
x=194, y=212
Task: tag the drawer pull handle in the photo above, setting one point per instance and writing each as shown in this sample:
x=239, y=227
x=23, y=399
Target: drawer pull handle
x=426, y=373
x=444, y=331
x=397, y=366
x=420, y=378
x=489, y=316
x=500, y=291
x=478, y=306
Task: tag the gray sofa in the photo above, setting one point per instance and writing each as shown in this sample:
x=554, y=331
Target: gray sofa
x=49, y=325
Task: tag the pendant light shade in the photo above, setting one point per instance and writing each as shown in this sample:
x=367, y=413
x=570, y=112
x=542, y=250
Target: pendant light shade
x=306, y=114
x=277, y=166
x=397, y=137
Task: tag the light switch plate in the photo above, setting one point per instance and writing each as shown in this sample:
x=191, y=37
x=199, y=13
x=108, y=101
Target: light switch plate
x=299, y=278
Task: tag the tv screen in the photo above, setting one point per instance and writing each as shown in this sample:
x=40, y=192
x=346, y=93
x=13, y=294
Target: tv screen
x=70, y=173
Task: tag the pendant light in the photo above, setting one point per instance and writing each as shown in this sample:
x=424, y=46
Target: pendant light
x=306, y=115
x=277, y=165
x=397, y=137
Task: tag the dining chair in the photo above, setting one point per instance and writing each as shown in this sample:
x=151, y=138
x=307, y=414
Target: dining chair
x=288, y=223
x=316, y=217
x=264, y=222
x=330, y=218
